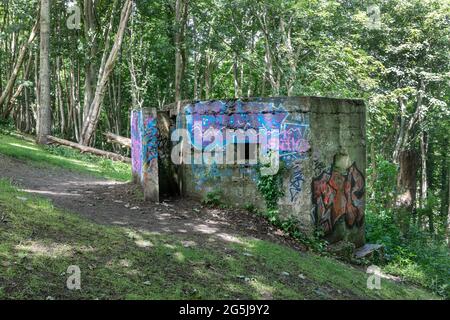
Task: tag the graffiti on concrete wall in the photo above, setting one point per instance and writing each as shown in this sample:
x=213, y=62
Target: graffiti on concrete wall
x=319, y=167
x=293, y=131
x=221, y=115
x=144, y=142
x=150, y=139
x=213, y=174
x=136, y=142
x=296, y=183
x=203, y=174
x=236, y=115
x=339, y=195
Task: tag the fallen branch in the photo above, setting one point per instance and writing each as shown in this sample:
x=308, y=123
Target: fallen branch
x=114, y=138
x=23, y=136
x=98, y=152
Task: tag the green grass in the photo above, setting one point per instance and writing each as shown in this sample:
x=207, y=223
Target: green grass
x=38, y=243
x=421, y=258
x=63, y=157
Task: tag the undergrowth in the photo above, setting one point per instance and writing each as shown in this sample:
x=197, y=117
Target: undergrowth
x=421, y=256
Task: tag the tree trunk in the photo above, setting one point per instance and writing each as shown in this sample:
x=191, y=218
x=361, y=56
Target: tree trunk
x=445, y=190
x=235, y=76
x=34, y=108
x=123, y=141
x=10, y=104
x=423, y=160
x=28, y=120
x=197, y=59
x=373, y=165
x=401, y=133
x=12, y=79
x=91, y=121
x=448, y=209
x=59, y=98
x=406, y=188
x=44, y=109
x=445, y=176
x=180, y=20
x=89, y=27
x=208, y=74
x=98, y=152
x=424, y=178
x=178, y=7
x=291, y=55
x=196, y=86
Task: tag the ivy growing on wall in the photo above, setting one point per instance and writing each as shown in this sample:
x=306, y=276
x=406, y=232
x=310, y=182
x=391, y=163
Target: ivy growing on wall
x=271, y=189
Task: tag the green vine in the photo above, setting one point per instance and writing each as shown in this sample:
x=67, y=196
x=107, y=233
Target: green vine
x=213, y=199
x=270, y=188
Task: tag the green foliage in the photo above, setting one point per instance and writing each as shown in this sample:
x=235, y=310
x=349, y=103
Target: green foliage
x=250, y=207
x=6, y=126
x=421, y=257
x=270, y=187
x=291, y=227
x=383, y=184
x=213, y=199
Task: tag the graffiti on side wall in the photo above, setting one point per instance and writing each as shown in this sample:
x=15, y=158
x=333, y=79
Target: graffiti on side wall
x=144, y=142
x=319, y=167
x=136, y=143
x=337, y=195
x=150, y=140
x=296, y=183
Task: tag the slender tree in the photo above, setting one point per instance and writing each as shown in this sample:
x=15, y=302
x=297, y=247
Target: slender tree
x=181, y=12
x=44, y=108
x=12, y=79
x=92, y=116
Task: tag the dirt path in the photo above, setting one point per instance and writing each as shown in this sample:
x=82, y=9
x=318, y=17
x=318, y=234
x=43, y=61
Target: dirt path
x=115, y=203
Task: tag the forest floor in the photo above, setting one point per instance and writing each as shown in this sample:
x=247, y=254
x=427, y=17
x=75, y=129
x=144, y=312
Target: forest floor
x=57, y=211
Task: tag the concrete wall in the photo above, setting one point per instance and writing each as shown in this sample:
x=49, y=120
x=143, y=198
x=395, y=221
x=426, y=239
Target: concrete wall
x=338, y=163
x=322, y=151
x=144, y=151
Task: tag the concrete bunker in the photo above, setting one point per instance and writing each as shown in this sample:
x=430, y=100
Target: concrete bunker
x=321, y=149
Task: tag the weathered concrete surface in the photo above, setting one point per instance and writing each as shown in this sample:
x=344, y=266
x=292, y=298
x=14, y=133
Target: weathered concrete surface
x=338, y=145
x=144, y=151
x=322, y=151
